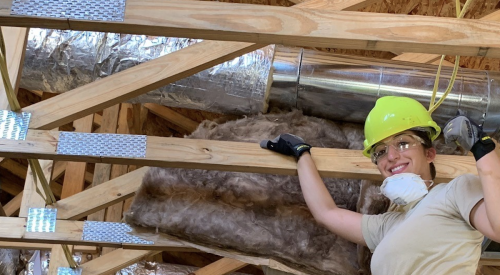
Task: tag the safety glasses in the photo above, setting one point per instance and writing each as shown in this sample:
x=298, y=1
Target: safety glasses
x=401, y=143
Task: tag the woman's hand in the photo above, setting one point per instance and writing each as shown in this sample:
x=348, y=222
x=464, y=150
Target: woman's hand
x=287, y=144
x=468, y=135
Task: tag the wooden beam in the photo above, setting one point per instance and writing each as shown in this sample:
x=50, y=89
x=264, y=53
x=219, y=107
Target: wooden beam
x=30, y=246
x=102, y=171
x=221, y=267
x=10, y=187
x=74, y=183
x=300, y=27
x=490, y=259
x=15, y=45
x=335, y=5
x=57, y=259
x=97, y=120
x=15, y=168
x=432, y=58
x=13, y=206
x=70, y=232
x=44, y=246
x=172, y=116
x=60, y=169
x=489, y=270
x=114, y=261
x=74, y=177
x=101, y=196
x=226, y=156
x=132, y=82
x=114, y=212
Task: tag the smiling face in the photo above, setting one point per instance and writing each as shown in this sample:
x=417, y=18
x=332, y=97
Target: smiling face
x=414, y=159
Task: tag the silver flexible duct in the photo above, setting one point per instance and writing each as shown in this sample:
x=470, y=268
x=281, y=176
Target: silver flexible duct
x=321, y=84
x=9, y=259
x=57, y=61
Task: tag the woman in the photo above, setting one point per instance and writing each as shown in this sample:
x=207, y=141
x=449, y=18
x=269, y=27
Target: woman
x=442, y=226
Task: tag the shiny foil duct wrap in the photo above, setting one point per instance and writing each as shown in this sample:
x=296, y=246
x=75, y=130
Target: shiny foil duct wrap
x=153, y=268
x=9, y=259
x=36, y=262
x=59, y=60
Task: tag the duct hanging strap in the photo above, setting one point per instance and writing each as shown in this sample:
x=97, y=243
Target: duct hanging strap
x=432, y=106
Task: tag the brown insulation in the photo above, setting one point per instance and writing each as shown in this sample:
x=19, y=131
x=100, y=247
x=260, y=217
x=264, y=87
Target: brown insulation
x=253, y=214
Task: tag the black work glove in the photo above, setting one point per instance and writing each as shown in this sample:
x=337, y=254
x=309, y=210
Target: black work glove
x=468, y=135
x=287, y=144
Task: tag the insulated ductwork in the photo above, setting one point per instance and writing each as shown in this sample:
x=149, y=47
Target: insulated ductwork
x=345, y=88
x=57, y=61
x=321, y=84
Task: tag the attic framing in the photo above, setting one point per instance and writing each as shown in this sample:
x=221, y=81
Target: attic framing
x=308, y=24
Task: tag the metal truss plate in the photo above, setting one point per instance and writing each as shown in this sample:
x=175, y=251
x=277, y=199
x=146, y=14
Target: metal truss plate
x=111, y=232
x=41, y=220
x=14, y=125
x=69, y=271
x=102, y=145
x=96, y=10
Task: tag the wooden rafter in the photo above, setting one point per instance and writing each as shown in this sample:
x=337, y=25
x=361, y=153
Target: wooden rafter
x=172, y=116
x=102, y=171
x=334, y=5
x=221, y=267
x=74, y=177
x=15, y=43
x=301, y=27
x=432, y=58
x=226, y=156
x=114, y=261
x=70, y=232
x=100, y=196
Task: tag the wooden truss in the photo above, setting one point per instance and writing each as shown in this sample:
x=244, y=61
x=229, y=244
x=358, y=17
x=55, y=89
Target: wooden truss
x=318, y=23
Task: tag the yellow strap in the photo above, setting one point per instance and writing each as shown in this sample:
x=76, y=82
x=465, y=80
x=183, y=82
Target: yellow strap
x=432, y=107
x=69, y=257
x=37, y=171
x=450, y=86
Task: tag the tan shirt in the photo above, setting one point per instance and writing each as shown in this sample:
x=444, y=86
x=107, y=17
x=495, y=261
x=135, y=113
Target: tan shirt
x=433, y=237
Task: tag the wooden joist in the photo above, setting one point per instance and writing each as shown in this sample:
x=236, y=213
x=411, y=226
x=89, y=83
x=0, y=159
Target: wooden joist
x=100, y=196
x=221, y=267
x=172, y=116
x=15, y=43
x=102, y=171
x=74, y=176
x=70, y=232
x=337, y=5
x=432, y=58
x=281, y=25
x=114, y=261
x=227, y=156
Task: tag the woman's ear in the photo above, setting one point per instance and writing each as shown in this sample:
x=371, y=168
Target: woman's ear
x=430, y=154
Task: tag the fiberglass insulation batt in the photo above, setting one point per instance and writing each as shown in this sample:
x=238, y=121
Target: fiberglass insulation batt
x=254, y=214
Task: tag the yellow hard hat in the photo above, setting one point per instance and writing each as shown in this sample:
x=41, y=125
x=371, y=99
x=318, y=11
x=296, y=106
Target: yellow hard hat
x=393, y=114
